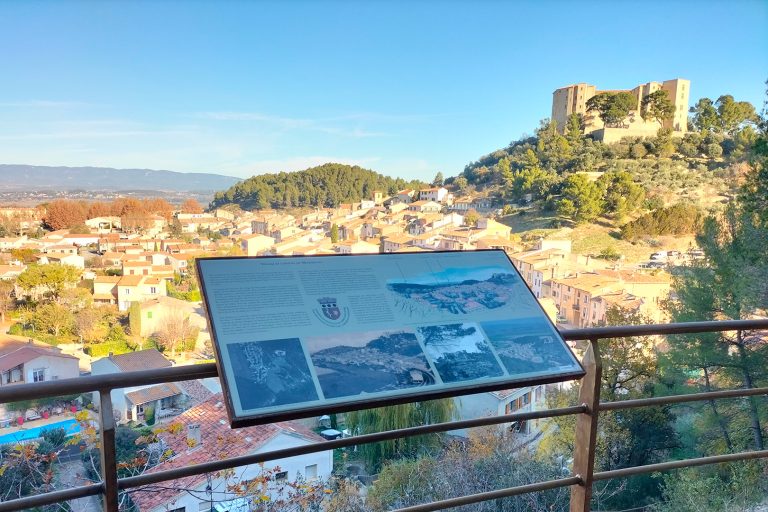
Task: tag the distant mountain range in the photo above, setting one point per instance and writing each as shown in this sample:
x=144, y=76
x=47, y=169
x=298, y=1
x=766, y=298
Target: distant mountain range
x=33, y=177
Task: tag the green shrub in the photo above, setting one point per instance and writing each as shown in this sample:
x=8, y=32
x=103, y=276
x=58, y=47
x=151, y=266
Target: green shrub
x=103, y=349
x=149, y=415
x=679, y=219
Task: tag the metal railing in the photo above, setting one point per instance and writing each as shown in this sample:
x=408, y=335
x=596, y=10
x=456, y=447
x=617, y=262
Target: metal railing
x=586, y=426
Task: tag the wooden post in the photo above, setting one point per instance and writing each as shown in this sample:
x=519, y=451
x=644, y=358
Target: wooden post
x=108, y=457
x=586, y=429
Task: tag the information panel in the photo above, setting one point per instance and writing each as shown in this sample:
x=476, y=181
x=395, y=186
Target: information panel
x=301, y=335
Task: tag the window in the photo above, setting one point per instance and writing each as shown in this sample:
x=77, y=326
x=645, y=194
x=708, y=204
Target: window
x=38, y=375
x=127, y=291
x=310, y=472
x=283, y=475
x=205, y=506
x=180, y=509
x=152, y=290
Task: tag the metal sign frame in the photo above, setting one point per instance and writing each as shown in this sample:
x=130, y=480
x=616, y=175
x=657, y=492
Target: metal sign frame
x=365, y=400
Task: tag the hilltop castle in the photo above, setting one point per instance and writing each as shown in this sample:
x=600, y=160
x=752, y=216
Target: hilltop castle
x=573, y=99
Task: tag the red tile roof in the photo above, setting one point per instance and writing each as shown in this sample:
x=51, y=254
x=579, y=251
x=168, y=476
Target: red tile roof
x=153, y=393
x=218, y=441
x=27, y=354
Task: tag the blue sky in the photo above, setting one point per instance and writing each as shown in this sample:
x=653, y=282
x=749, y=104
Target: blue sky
x=404, y=88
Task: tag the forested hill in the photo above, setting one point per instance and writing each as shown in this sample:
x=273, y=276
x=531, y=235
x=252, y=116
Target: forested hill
x=327, y=185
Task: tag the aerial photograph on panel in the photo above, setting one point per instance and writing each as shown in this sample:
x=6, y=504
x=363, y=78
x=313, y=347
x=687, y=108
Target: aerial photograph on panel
x=528, y=345
x=458, y=291
x=460, y=352
x=368, y=362
x=271, y=373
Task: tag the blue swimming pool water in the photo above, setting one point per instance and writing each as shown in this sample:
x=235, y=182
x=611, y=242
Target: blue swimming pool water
x=70, y=426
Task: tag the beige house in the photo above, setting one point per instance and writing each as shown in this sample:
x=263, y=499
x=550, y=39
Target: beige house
x=356, y=247
x=122, y=290
x=257, y=244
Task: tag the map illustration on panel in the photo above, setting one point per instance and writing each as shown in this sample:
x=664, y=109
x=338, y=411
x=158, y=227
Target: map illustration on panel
x=459, y=291
x=368, y=362
x=271, y=372
x=528, y=345
x=460, y=352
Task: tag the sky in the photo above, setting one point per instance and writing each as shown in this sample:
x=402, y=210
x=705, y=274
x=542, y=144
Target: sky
x=404, y=88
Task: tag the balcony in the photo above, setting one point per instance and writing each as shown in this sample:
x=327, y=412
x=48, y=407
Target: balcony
x=580, y=481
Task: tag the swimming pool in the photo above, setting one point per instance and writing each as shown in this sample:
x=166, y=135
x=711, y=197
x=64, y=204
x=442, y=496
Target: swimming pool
x=70, y=426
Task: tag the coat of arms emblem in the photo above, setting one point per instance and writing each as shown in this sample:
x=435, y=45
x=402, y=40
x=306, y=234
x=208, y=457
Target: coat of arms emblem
x=330, y=308
x=330, y=313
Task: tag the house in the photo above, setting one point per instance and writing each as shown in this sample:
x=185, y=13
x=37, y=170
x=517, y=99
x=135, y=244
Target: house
x=9, y=243
x=396, y=242
x=499, y=403
x=156, y=311
x=103, y=225
x=254, y=245
x=122, y=290
x=11, y=272
x=425, y=206
x=436, y=194
x=166, y=399
x=356, y=247
x=205, y=436
x=493, y=228
x=24, y=360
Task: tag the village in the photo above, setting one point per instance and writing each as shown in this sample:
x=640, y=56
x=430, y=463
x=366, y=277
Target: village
x=144, y=276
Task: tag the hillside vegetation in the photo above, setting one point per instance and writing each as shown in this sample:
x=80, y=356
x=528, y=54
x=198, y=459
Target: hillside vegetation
x=325, y=186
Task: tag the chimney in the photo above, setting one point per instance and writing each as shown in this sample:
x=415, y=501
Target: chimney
x=193, y=435
x=110, y=355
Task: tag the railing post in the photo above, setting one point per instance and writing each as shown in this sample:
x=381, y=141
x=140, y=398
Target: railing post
x=108, y=458
x=586, y=429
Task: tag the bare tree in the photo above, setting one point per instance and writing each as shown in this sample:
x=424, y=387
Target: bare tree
x=174, y=328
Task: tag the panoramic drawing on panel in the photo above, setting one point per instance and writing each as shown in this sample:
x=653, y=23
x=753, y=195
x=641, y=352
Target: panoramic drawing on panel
x=368, y=362
x=271, y=373
x=528, y=345
x=460, y=352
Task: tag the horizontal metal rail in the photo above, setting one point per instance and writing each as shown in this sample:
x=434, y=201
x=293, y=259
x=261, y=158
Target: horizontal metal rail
x=244, y=460
x=49, y=498
x=90, y=383
x=106, y=383
x=677, y=399
x=493, y=495
x=678, y=464
x=626, y=331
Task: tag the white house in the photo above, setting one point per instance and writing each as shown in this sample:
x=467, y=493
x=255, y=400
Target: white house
x=498, y=403
x=206, y=436
x=436, y=194
x=23, y=360
x=130, y=404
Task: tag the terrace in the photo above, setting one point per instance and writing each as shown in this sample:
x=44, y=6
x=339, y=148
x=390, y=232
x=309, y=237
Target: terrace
x=587, y=411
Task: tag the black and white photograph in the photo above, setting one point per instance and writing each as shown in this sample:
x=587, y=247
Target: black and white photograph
x=271, y=373
x=368, y=362
x=460, y=352
x=527, y=345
